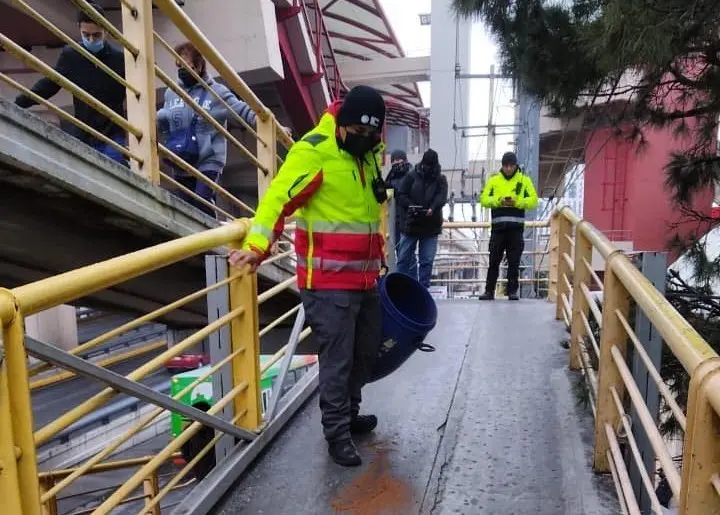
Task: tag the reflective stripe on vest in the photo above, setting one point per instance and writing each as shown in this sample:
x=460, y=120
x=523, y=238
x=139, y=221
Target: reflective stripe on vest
x=339, y=227
x=260, y=229
x=503, y=219
x=334, y=265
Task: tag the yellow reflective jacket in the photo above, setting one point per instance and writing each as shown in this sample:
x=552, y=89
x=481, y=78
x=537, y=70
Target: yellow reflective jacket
x=520, y=188
x=337, y=239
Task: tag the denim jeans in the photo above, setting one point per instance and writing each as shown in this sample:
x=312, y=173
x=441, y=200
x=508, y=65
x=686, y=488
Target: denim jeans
x=200, y=188
x=408, y=262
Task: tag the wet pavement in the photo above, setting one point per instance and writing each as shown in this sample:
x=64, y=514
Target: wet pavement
x=488, y=424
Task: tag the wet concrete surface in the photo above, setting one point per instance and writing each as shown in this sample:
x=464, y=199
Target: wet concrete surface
x=488, y=424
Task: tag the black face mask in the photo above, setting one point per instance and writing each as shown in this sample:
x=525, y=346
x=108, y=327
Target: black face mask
x=358, y=145
x=186, y=77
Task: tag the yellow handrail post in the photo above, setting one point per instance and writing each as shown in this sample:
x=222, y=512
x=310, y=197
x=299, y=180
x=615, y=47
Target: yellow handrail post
x=50, y=506
x=244, y=333
x=564, y=228
x=9, y=483
x=140, y=72
x=615, y=299
x=701, y=451
x=16, y=390
x=266, y=155
x=581, y=275
x=151, y=487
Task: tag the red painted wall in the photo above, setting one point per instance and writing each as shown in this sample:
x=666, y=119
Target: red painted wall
x=625, y=193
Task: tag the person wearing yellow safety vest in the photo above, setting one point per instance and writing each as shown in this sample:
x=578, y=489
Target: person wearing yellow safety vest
x=507, y=194
x=331, y=178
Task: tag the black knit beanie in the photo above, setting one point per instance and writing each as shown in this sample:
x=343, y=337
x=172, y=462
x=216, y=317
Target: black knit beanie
x=363, y=105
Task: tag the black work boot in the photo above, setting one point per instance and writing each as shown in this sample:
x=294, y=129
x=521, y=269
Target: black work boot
x=363, y=424
x=513, y=296
x=344, y=453
x=486, y=296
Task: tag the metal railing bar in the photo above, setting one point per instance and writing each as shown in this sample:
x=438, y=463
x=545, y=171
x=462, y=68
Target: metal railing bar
x=69, y=286
x=121, y=384
x=290, y=349
x=646, y=419
x=616, y=482
x=95, y=460
x=628, y=494
x=657, y=378
x=592, y=305
x=104, y=23
x=530, y=224
x=190, y=102
x=194, y=195
x=569, y=261
x=280, y=353
x=76, y=90
x=98, y=469
x=715, y=481
x=136, y=479
x=278, y=257
x=205, y=85
x=43, y=434
x=276, y=290
x=279, y=320
x=569, y=287
x=636, y=452
x=593, y=274
x=590, y=335
x=133, y=324
x=590, y=377
x=570, y=239
x=566, y=305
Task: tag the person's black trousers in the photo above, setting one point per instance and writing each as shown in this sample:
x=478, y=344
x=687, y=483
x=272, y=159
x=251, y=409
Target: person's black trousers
x=510, y=242
x=347, y=326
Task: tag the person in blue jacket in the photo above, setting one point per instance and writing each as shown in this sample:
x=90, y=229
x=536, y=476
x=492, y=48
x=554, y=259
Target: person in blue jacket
x=192, y=137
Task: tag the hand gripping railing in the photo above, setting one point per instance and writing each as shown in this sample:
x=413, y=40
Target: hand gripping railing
x=603, y=362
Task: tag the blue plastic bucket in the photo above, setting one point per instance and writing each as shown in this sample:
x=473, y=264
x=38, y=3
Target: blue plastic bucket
x=409, y=314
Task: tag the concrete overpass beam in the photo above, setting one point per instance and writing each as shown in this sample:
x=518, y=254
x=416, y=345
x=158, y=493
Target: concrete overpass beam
x=387, y=71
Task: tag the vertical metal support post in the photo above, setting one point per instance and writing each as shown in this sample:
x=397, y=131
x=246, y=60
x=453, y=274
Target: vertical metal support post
x=218, y=305
x=244, y=334
x=9, y=482
x=615, y=298
x=392, y=239
x=285, y=366
x=554, y=254
x=701, y=451
x=581, y=276
x=21, y=416
x=563, y=247
x=653, y=266
x=151, y=488
x=266, y=153
x=140, y=72
x=50, y=506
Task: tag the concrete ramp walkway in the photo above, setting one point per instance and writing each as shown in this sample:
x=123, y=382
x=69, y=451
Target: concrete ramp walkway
x=488, y=424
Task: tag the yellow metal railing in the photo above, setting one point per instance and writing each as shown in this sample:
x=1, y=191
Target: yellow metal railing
x=696, y=485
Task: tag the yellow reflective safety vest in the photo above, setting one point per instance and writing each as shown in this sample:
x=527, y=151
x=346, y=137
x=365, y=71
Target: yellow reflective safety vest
x=519, y=187
x=337, y=240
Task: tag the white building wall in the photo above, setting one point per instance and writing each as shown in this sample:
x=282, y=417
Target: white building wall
x=448, y=97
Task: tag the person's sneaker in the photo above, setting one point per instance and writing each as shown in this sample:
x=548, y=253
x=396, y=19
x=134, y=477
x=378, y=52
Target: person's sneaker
x=513, y=296
x=363, y=424
x=344, y=453
x=486, y=296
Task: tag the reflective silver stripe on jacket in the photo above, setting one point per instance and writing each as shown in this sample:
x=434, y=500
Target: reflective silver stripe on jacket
x=261, y=229
x=335, y=265
x=501, y=219
x=340, y=227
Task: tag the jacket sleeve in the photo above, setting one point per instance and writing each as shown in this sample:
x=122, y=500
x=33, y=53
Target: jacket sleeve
x=163, y=122
x=529, y=198
x=45, y=87
x=298, y=179
x=241, y=108
x=403, y=194
x=487, y=197
x=441, y=195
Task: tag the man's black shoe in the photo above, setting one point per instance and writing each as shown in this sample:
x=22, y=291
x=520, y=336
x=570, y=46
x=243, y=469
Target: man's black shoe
x=344, y=453
x=486, y=296
x=363, y=424
x=513, y=296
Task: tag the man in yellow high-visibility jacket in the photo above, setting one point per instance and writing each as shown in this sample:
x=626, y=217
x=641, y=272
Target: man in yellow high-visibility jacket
x=507, y=194
x=332, y=178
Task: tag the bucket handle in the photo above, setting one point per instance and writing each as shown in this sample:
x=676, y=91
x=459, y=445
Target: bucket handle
x=425, y=347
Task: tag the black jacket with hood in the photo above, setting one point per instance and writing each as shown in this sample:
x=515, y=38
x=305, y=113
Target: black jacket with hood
x=427, y=187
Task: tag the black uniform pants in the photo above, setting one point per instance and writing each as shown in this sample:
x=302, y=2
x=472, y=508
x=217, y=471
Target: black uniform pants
x=511, y=242
x=348, y=328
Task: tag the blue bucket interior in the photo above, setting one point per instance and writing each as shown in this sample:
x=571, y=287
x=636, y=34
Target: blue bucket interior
x=410, y=300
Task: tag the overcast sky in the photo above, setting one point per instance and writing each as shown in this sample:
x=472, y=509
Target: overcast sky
x=404, y=16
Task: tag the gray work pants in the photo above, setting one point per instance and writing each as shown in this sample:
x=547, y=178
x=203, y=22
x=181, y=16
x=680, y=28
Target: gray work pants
x=348, y=328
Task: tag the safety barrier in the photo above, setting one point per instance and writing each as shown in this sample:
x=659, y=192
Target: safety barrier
x=262, y=147
x=614, y=390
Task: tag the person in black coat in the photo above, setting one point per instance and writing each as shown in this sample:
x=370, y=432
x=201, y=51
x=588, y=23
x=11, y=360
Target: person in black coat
x=400, y=168
x=423, y=194
x=85, y=74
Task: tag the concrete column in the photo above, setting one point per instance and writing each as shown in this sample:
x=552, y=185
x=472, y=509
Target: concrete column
x=56, y=326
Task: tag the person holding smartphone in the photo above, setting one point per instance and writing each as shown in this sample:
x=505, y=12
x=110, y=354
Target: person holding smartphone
x=507, y=194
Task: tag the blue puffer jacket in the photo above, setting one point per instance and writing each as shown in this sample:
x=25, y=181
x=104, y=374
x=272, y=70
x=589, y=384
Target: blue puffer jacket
x=175, y=114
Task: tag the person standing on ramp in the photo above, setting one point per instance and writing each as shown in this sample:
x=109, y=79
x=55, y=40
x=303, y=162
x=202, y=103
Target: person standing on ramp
x=332, y=178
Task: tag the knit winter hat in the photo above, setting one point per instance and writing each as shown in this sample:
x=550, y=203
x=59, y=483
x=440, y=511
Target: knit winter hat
x=398, y=155
x=430, y=158
x=509, y=158
x=363, y=105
